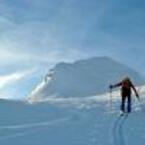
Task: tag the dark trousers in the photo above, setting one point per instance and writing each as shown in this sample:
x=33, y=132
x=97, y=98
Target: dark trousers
x=124, y=98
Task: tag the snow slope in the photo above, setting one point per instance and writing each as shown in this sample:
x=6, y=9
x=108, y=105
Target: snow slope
x=49, y=117
x=83, y=78
x=69, y=121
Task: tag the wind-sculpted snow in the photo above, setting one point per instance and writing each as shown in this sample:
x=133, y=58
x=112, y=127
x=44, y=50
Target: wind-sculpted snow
x=86, y=101
x=83, y=78
x=34, y=125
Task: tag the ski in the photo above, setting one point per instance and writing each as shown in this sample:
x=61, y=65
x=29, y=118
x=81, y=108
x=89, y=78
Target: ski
x=124, y=114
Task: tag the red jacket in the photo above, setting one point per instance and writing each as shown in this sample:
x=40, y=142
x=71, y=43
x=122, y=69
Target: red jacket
x=126, y=86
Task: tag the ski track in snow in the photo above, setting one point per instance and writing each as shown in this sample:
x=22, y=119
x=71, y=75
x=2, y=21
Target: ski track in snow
x=118, y=130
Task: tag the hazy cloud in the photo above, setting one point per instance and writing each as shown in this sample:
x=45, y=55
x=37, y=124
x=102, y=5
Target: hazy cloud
x=14, y=77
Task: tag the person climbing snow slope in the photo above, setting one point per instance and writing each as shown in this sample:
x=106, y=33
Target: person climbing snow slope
x=126, y=90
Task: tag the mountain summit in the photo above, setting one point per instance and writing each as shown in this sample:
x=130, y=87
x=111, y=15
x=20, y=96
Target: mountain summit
x=84, y=78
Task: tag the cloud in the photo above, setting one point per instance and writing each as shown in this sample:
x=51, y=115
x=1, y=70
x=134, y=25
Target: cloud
x=13, y=78
x=44, y=32
x=41, y=39
x=39, y=60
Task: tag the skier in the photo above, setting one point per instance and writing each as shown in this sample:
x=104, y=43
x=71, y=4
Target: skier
x=126, y=86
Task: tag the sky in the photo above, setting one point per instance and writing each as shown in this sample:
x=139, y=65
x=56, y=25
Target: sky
x=37, y=34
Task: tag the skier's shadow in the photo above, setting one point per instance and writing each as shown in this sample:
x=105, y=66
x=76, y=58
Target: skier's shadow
x=118, y=134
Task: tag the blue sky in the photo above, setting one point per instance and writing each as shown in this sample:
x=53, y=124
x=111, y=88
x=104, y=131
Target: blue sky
x=36, y=34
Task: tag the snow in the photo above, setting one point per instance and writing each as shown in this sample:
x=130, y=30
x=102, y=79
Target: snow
x=73, y=121
x=86, y=101
x=83, y=78
x=48, y=117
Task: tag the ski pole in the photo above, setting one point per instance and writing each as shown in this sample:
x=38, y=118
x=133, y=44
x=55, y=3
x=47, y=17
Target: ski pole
x=110, y=98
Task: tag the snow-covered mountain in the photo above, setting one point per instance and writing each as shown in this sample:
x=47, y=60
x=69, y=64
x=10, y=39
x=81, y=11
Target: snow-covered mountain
x=83, y=78
x=72, y=121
